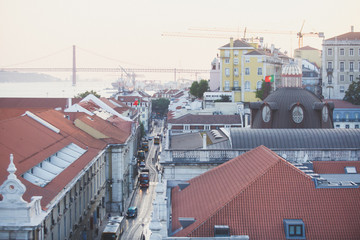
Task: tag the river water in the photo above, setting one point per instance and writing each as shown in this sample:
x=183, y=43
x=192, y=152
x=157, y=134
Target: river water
x=60, y=89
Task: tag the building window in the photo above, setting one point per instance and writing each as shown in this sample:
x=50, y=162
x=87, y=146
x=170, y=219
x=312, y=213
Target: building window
x=337, y=126
x=342, y=52
x=259, y=71
x=227, y=53
x=236, y=84
x=329, y=52
x=227, y=60
x=236, y=72
x=247, y=86
x=207, y=127
x=227, y=86
x=247, y=60
x=347, y=126
x=356, y=125
x=186, y=127
x=294, y=228
x=351, y=52
x=342, y=66
x=351, y=66
x=227, y=72
x=342, y=78
x=247, y=71
x=236, y=53
x=351, y=78
x=236, y=61
x=342, y=89
x=329, y=65
x=258, y=84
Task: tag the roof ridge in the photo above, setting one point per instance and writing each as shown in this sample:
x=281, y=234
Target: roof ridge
x=262, y=147
x=280, y=160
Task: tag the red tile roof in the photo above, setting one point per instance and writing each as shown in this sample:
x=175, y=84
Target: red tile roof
x=36, y=102
x=342, y=104
x=131, y=99
x=307, y=48
x=31, y=143
x=255, y=191
x=116, y=129
x=334, y=167
x=346, y=36
x=6, y=113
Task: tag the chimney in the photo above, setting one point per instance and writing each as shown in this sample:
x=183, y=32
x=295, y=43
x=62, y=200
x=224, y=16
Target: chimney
x=204, y=141
x=231, y=42
x=69, y=102
x=352, y=28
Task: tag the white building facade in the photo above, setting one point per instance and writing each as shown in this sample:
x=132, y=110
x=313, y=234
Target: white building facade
x=340, y=64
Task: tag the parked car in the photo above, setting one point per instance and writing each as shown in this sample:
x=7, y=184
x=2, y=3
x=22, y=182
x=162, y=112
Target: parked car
x=142, y=164
x=131, y=212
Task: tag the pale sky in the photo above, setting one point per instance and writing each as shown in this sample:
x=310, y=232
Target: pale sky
x=130, y=31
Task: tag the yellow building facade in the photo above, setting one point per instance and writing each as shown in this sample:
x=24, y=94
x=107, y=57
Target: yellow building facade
x=243, y=67
x=309, y=53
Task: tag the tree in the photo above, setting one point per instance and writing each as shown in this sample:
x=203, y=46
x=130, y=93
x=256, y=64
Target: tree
x=197, y=89
x=264, y=91
x=203, y=87
x=142, y=130
x=84, y=94
x=194, y=89
x=352, y=95
x=160, y=106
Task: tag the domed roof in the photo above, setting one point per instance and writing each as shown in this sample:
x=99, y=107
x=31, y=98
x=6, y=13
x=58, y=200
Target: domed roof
x=291, y=108
x=291, y=69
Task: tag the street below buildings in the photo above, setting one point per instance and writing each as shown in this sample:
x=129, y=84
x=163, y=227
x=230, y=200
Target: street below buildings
x=138, y=227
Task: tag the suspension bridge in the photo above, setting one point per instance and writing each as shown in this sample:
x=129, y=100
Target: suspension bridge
x=119, y=69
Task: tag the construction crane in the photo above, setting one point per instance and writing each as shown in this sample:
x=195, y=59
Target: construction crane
x=301, y=35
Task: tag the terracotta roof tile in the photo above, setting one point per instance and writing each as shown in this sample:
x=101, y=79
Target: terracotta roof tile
x=31, y=143
x=342, y=104
x=36, y=102
x=346, y=36
x=307, y=48
x=115, y=128
x=254, y=192
x=334, y=167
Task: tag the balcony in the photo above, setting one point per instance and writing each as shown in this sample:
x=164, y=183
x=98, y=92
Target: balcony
x=329, y=71
x=236, y=88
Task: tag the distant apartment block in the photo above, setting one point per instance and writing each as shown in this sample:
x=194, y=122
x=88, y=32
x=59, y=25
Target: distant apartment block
x=341, y=64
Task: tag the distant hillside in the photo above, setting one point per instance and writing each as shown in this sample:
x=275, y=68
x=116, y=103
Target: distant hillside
x=26, y=77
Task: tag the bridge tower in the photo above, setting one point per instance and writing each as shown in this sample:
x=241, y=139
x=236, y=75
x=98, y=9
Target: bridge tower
x=74, y=67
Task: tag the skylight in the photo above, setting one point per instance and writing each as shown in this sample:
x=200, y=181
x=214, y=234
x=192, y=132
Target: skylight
x=350, y=170
x=47, y=170
x=216, y=134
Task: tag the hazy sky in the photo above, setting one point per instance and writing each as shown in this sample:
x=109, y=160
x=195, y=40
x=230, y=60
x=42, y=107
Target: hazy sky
x=130, y=31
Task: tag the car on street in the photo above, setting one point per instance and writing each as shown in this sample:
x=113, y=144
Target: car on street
x=142, y=164
x=131, y=212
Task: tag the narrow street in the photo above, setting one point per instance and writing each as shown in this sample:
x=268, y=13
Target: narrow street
x=143, y=198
